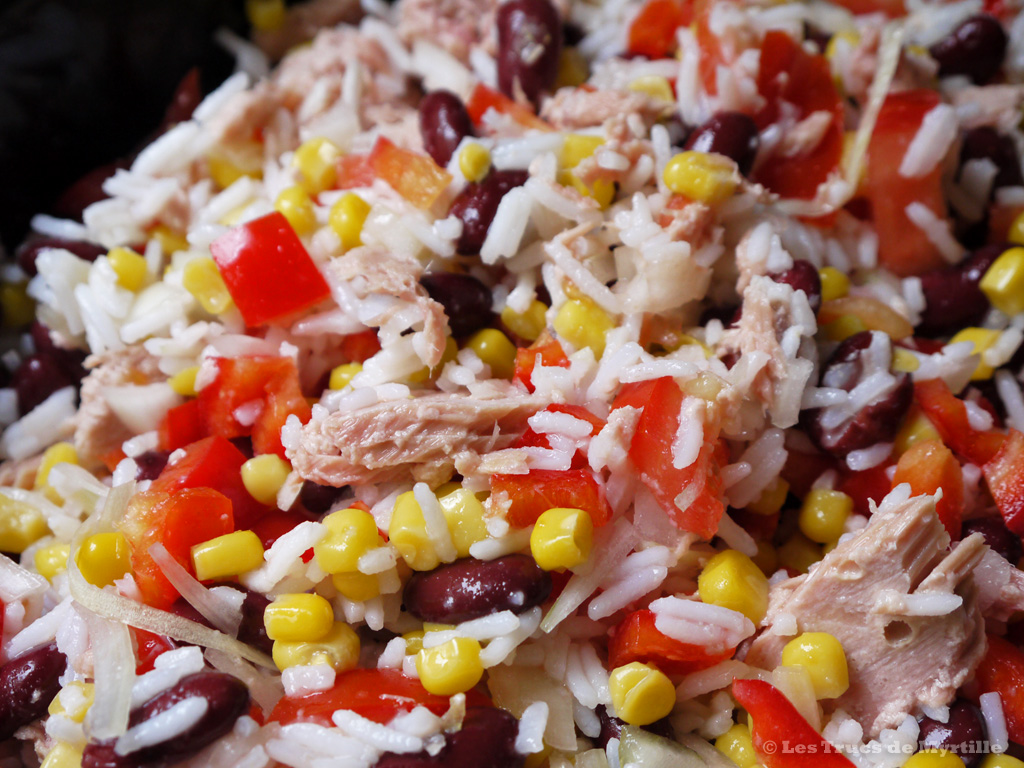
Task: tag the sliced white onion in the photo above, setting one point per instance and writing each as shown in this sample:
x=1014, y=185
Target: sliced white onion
x=17, y=583
x=213, y=608
x=114, y=672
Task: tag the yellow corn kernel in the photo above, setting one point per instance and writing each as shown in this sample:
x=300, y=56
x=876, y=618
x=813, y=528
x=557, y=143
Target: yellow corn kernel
x=184, y=381
x=317, y=161
x=937, y=758
x=295, y=205
x=704, y=385
x=641, y=693
x=424, y=374
x=655, y=86
x=799, y=553
x=356, y=586
x=229, y=555
x=701, y=176
x=264, y=475
x=915, y=428
x=73, y=701
x=129, y=267
x=767, y=559
x=577, y=148
x=834, y=284
x=846, y=38
x=351, y=533
x=103, y=558
x=18, y=308
x=170, y=241
x=20, y=525
x=732, y=580
x=530, y=324
x=573, y=69
x=464, y=513
x=844, y=327
x=224, y=172
x=686, y=340
x=51, y=560
x=602, y=190
x=562, y=538
x=1003, y=282
x=823, y=514
x=1000, y=760
x=904, y=361
x=339, y=648
x=202, y=279
x=474, y=161
x=450, y=668
x=408, y=533
x=737, y=745
x=982, y=339
x=823, y=658
x=583, y=323
x=1015, y=234
x=342, y=375
x=58, y=453
x=771, y=499
x=63, y=755
x=298, y=617
x=493, y=348
x=413, y=641
x=265, y=15
x=347, y=216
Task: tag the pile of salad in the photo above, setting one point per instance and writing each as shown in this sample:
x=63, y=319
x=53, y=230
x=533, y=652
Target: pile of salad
x=533, y=383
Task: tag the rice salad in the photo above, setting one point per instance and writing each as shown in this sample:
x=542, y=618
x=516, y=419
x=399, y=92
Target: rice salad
x=536, y=383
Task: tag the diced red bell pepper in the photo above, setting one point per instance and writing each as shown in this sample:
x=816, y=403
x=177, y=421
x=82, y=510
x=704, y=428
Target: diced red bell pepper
x=653, y=31
x=802, y=469
x=360, y=347
x=179, y=521
x=276, y=524
x=534, y=493
x=483, y=98
x=181, y=425
x=148, y=648
x=355, y=171
x=213, y=462
x=415, y=177
x=949, y=415
x=1005, y=477
x=782, y=737
x=551, y=355
x=927, y=466
x=636, y=638
x=871, y=484
x=1002, y=670
x=267, y=270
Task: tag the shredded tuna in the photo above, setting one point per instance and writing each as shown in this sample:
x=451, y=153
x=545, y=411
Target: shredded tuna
x=303, y=21
x=19, y=473
x=574, y=108
x=455, y=25
x=995, y=105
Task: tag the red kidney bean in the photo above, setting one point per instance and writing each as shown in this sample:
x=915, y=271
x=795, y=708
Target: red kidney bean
x=466, y=301
x=318, y=499
x=444, y=122
x=611, y=727
x=987, y=143
x=251, y=630
x=150, y=464
x=28, y=684
x=477, y=203
x=877, y=422
x=732, y=134
x=71, y=360
x=975, y=49
x=997, y=536
x=529, y=46
x=952, y=297
x=487, y=737
x=802, y=276
x=227, y=699
x=29, y=250
x=38, y=377
x=468, y=589
x=962, y=734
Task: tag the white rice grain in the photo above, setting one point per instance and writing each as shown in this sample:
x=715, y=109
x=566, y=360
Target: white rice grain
x=530, y=735
x=163, y=727
x=307, y=678
x=931, y=142
x=936, y=230
x=995, y=721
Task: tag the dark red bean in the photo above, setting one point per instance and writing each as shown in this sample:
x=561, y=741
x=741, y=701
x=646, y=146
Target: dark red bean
x=953, y=298
x=38, y=377
x=997, y=536
x=529, y=46
x=187, y=96
x=29, y=251
x=975, y=49
x=468, y=589
x=70, y=360
x=732, y=134
x=477, y=203
x=318, y=499
x=28, y=684
x=150, y=464
x=611, y=727
x=85, y=191
x=962, y=734
x=487, y=737
x=802, y=276
x=444, y=122
x=252, y=631
x=986, y=143
x=227, y=699
x=466, y=301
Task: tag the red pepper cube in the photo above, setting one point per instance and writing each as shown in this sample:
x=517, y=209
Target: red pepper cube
x=267, y=270
x=415, y=177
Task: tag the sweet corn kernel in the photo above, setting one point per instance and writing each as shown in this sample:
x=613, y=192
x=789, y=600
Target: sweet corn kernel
x=63, y=755
x=686, y=340
x=347, y=216
x=493, y=347
x=298, y=617
x=732, y=580
x=824, y=514
x=342, y=375
x=264, y=475
x=413, y=641
x=295, y=205
x=573, y=69
x=583, y=323
x=562, y=538
x=228, y=555
x=737, y=745
x=408, y=533
x=904, y=361
x=73, y=701
x=184, y=381
x=653, y=85
x=224, y=172
x=844, y=327
x=20, y=525
x=577, y=148
x=474, y=161
x=356, y=586
x=265, y=15
x=771, y=499
x=316, y=160
x=424, y=374
x=848, y=39
x=129, y=267
x=58, y=453
x=999, y=760
x=351, y=533
x=103, y=558
x=915, y=428
x=170, y=241
x=936, y=758
x=202, y=279
x=1016, y=232
x=799, y=553
x=641, y=693
x=705, y=385
x=1003, y=282
x=701, y=176
x=823, y=658
x=834, y=284
x=339, y=649
x=982, y=339
x=51, y=560
x=18, y=308
x=602, y=190
x=530, y=324
x=451, y=668
x=767, y=559
x=464, y=513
